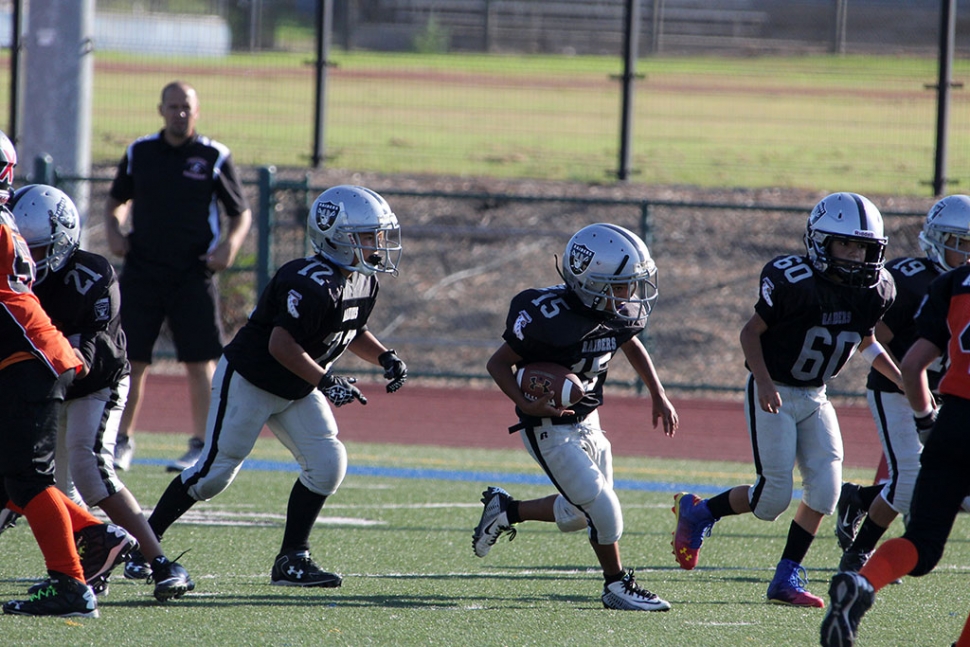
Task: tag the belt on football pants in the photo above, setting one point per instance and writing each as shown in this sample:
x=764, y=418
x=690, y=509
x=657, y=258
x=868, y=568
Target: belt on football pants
x=532, y=423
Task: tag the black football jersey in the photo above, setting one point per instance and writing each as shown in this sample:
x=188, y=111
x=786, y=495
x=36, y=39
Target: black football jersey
x=552, y=325
x=814, y=324
x=318, y=306
x=912, y=277
x=83, y=301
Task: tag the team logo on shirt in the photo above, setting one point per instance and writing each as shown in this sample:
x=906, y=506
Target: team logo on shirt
x=580, y=256
x=521, y=322
x=102, y=310
x=767, y=287
x=326, y=214
x=196, y=168
x=293, y=302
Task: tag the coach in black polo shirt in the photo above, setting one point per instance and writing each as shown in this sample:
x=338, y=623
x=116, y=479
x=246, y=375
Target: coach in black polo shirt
x=166, y=194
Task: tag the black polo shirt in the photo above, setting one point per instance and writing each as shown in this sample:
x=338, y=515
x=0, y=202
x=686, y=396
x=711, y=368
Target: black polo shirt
x=175, y=193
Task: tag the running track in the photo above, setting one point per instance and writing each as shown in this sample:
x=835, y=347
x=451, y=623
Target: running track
x=709, y=429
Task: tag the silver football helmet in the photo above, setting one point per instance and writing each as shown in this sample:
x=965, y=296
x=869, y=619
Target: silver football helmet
x=848, y=217
x=946, y=223
x=341, y=215
x=48, y=221
x=611, y=271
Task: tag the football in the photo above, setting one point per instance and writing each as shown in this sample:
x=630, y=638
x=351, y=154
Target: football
x=540, y=378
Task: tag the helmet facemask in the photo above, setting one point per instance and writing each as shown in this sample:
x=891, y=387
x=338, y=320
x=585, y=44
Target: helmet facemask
x=373, y=250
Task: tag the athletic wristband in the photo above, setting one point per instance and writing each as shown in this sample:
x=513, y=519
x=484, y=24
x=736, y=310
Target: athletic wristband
x=926, y=412
x=872, y=351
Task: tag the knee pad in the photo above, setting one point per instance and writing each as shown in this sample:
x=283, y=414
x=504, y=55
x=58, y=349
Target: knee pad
x=327, y=469
x=569, y=518
x=769, y=501
x=602, y=516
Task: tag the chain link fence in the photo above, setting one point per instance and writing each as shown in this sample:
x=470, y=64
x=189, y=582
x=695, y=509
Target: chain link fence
x=467, y=254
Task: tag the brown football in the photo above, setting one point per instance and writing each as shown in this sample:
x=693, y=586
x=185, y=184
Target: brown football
x=539, y=378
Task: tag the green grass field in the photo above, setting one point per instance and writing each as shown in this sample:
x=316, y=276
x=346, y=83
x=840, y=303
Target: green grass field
x=403, y=546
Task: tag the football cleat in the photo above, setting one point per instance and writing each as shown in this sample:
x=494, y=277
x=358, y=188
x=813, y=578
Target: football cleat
x=851, y=596
x=137, y=567
x=101, y=547
x=694, y=522
x=296, y=568
x=853, y=560
x=124, y=452
x=98, y=584
x=171, y=579
x=494, y=522
x=849, y=515
x=60, y=596
x=788, y=586
x=189, y=457
x=626, y=595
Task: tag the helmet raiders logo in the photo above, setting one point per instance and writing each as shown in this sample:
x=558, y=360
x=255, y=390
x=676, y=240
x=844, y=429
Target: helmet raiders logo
x=326, y=214
x=580, y=256
x=63, y=215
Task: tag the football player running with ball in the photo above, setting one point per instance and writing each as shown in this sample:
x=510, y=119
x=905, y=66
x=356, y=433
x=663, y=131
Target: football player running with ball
x=864, y=513
x=610, y=288
x=814, y=311
x=277, y=371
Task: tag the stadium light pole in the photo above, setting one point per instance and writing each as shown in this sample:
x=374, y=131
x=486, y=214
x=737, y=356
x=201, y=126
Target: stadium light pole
x=323, y=37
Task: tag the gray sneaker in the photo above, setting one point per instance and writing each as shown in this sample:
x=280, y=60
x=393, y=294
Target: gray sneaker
x=188, y=458
x=124, y=452
x=494, y=522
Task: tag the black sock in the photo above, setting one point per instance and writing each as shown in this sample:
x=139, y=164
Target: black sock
x=869, y=534
x=720, y=505
x=173, y=504
x=799, y=541
x=512, y=512
x=614, y=578
x=301, y=513
x=868, y=494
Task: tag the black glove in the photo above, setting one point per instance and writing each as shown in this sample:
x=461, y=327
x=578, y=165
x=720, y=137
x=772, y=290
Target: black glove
x=924, y=425
x=340, y=390
x=394, y=369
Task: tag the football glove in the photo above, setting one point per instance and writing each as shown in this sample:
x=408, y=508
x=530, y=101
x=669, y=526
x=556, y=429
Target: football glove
x=394, y=369
x=340, y=390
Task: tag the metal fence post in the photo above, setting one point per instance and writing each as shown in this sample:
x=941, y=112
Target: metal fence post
x=264, y=226
x=44, y=172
